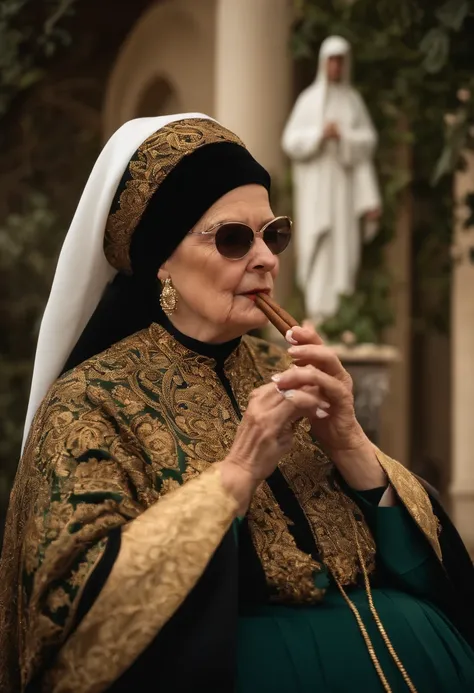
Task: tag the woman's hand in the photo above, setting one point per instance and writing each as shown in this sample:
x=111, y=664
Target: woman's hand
x=331, y=131
x=373, y=214
x=264, y=436
x=334, y=423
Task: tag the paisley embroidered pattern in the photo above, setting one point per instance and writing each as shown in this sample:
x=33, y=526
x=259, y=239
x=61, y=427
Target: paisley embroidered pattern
x=162, y=555
x=155, y=158
x=310, y=475
x=290, y=572
x=414, y=497
x=119, y=432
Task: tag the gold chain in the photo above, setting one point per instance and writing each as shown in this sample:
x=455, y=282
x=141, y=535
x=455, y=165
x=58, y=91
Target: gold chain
x=379, y=624
x=368, y=641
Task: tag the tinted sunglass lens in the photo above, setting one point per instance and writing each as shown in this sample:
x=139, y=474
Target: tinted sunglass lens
x=277, y=235
x=234, y=241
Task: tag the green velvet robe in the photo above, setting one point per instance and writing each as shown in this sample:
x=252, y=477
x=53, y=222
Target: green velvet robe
x=119, y=555
x=303, y=650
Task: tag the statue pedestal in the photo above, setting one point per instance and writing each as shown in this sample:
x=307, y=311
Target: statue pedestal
x=369, y=366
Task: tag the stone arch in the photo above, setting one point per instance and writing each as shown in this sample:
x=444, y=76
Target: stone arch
x=159, y=97
x=171, y=47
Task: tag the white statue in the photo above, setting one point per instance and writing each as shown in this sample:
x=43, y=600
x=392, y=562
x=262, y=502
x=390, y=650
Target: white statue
x=331, y=140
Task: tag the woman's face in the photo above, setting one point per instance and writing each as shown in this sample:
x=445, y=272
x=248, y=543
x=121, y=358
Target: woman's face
x=212, y=305
x=335, y=68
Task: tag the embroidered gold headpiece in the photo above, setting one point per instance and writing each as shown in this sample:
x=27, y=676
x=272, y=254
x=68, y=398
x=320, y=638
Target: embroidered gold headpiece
x=154, y=160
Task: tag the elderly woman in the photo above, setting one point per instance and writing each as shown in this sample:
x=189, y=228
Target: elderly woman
x=196, y=507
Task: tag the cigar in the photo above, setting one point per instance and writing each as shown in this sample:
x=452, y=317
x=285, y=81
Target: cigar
x=282, y=320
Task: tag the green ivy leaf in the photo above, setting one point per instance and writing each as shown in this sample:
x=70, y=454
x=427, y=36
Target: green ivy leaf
x=365, y=331
x=453, y=13
x=435, y=49
x=444, y=165
x=29, y=78
x=399, y=180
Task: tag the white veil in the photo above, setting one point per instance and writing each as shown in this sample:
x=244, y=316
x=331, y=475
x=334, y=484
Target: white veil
x=82, y=272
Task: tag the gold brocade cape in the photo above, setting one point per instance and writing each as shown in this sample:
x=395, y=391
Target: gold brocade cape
x=120, y=431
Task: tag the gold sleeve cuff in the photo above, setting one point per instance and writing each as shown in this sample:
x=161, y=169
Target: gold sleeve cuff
x=163, y=553
x=414, y=497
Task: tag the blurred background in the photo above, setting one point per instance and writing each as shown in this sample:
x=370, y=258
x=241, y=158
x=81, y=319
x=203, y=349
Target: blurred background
x=72, y=71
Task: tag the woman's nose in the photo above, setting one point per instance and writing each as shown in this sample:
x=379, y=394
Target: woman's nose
x=261, y=257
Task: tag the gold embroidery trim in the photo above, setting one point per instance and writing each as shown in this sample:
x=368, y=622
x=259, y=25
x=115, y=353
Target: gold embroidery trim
x=414, y=498
x=163, y=553
x=160, y=416
x=156, y=158
x=290, y=573
x=310, y=475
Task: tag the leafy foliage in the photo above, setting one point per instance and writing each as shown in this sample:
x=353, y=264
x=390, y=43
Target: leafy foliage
x=30, y=34
x=55, y=59
x=459, y=133
x=19, y=248
x=22, y=47
x=410, y=58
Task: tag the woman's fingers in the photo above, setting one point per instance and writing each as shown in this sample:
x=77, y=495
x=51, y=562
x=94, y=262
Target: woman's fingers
x=265, y=396
x=317, y=355
x=297, y=403
x=309, y=376
x=270, y=402
x=271, y=406
x=303, y=335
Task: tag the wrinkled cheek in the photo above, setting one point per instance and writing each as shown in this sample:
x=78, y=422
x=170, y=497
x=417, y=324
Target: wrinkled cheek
x=217, y=308
x=234, y=308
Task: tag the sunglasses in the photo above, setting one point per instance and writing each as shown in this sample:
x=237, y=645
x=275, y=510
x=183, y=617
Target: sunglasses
x=234, y=239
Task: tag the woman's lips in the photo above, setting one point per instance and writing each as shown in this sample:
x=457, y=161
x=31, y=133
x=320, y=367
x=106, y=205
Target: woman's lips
x=253, y=294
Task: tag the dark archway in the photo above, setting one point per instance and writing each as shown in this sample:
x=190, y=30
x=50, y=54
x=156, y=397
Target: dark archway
x=158, y=98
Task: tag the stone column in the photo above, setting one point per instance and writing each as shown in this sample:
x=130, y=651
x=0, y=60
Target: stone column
x=252, y=85
x=396, y=415
x=462, y=366
x=253, y=67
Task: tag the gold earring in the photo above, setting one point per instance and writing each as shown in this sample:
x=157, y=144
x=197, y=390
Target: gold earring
x=168, y=297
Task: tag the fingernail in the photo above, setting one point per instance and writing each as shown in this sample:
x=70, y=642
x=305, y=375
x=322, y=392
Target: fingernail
x=276, y=378
x=289, y=337
x=321, y=414
x=288, y=393
x=324, y=405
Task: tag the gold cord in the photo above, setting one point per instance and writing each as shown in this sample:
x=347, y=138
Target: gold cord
x=379, y=624
x=368, y=641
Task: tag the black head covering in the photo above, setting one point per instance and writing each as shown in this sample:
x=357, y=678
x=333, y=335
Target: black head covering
x=131, y=302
